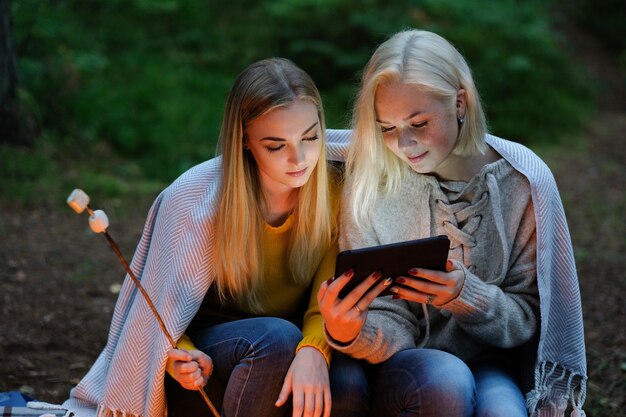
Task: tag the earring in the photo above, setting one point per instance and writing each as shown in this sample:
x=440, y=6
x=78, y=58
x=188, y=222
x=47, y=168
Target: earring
x=461, y=120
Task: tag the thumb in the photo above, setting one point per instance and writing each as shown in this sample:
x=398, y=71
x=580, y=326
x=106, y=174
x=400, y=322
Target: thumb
x=449, y=265
x=286, y=390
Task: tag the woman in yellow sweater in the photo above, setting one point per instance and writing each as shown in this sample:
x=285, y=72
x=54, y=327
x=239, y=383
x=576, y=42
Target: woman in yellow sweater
x=232, y=254
x=274, y=242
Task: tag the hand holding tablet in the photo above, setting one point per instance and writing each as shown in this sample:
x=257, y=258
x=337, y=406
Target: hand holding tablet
x=392, y=260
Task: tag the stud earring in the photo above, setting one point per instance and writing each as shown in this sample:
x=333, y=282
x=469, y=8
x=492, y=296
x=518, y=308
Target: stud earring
x=461, y=120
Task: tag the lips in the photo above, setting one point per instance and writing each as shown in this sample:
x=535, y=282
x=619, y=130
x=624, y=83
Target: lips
x=417, y=158
x=297, y=173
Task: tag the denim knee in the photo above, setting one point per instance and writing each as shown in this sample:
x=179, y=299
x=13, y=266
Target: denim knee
x=276, y=338
x=424, y=382
x=349, y=387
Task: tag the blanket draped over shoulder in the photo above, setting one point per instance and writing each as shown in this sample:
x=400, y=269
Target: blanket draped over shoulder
x=174, y=261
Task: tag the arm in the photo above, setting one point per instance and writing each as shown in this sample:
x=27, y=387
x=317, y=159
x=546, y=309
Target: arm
x=307, y=377
x=501, y=313
x=381, y=330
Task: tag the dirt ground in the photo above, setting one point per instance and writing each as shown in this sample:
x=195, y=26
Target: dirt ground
x=57, y=279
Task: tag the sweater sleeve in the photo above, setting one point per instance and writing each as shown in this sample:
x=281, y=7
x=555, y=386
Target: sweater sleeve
x=313, y=326
x=513, y=304
x=389, y=328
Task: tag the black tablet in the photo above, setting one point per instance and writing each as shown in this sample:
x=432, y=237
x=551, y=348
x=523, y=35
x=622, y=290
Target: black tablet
x=393, y=259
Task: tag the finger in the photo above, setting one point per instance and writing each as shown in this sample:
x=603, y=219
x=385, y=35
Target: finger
x=179, y=355
x=335, y=285
x=285, y=391
x=321, y=293
x=309, y=404
x=438, y=277
x=327, y=401
x=356, y=294
x=371, y=295
x=203, y=360
x=319, y=404
x=298, y=404
x=409, y=283
x=185, y=368
x=450, y=266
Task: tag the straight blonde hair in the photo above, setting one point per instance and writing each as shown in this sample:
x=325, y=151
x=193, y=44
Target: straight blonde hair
x=262, y=87
x=416, y=57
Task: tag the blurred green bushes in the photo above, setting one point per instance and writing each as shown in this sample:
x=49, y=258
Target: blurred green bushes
x=149, y=78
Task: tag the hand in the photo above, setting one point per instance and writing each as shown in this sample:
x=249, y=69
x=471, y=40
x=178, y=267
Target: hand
x=308, y=380
x=192, y=369
x=344, y=317
x=431, y=287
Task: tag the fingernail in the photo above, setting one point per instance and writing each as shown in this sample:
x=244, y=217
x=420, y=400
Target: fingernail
x=400, y=280
x=449, y=264
x=349, y=273
x=388, y=281
x=393, y=290
x=330, y=280
x=413, y=271
x=376, y=275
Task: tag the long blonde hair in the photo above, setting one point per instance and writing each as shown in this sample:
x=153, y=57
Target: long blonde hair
x=417, y=57
x=259, y=89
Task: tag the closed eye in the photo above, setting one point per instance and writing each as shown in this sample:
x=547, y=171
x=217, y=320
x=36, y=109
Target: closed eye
x=384, y=129
x=418, y=125
x=311, y=139
x=274, y=148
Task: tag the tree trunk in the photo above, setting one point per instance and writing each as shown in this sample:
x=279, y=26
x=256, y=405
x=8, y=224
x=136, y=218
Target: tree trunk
x=12, y=128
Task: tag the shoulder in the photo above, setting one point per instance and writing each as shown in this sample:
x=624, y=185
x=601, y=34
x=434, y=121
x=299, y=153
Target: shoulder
x=335, y=184
x=198, y=187
x=196, y=179
x=523, y=160
x=337, y=142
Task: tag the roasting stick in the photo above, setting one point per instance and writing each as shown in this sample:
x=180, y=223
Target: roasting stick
x=78, y=200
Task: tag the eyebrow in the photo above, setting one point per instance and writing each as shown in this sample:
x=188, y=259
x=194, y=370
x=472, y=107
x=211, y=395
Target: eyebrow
x=406, y=118
x=275, y=139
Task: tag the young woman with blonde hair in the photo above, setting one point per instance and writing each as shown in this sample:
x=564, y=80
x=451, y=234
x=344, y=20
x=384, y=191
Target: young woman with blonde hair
x=233, y=253
x=465, y=341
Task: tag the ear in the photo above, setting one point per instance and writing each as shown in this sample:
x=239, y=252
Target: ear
x=461, y=100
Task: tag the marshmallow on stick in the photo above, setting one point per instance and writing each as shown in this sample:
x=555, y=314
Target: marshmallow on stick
x=78, y=200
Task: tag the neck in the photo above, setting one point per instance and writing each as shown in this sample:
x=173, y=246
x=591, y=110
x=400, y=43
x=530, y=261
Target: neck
x=278, y=206
x=463, y=168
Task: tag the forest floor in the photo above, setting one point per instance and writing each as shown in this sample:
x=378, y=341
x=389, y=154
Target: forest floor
x=58, y=280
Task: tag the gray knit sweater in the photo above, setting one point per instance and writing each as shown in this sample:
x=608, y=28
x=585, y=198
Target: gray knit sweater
x=490, y=223
x=498, y=290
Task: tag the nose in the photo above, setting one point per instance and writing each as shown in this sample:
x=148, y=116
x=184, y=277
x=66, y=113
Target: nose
x=297, y=155
x=405, y=139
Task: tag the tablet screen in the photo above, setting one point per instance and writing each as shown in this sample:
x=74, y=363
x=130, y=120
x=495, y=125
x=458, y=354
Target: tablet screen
x=393, y=259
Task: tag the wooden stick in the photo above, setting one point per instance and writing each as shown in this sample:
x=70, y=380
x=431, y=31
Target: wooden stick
x=155, y=312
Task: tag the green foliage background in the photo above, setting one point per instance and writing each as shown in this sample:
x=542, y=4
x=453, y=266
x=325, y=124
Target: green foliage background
x=145, y=81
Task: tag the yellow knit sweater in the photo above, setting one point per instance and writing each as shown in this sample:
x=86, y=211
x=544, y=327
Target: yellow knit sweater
x=283, y=297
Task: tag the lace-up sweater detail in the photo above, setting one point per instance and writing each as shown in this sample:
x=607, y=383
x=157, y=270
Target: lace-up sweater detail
x=459, y=210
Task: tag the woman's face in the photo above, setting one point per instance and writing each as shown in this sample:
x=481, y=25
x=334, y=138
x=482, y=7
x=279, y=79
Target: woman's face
x=418, y=127
x=286, y=145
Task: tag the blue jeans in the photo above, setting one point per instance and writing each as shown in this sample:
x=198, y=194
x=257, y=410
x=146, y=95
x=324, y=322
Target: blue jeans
x=424, y=383
x=251, y=358
x=433, y=383
x=497, y=393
